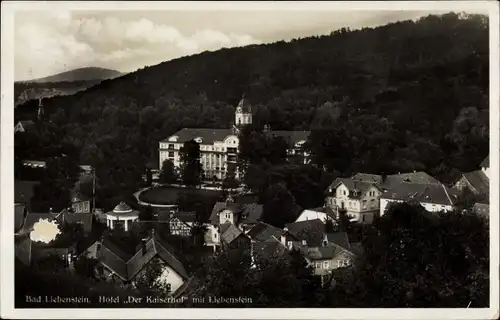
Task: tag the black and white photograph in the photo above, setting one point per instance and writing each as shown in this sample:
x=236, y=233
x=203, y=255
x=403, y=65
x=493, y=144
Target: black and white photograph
x=293, y=159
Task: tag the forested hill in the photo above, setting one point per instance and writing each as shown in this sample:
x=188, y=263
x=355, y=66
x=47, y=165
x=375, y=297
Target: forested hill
x=80, y=74
x=392, y=95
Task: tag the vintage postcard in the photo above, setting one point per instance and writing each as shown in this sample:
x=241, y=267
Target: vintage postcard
x=250, y=160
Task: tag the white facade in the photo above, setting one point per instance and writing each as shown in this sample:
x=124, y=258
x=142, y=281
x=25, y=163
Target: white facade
x=241, y=117
x=359, y=208
x=215, y=157
x=170, y=278
x=486, y=171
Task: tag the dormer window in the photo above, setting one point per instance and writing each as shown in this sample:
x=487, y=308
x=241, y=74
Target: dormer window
x=198, y=140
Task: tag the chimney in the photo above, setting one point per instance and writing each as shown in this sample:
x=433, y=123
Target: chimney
x=283, y=238
x=50, y=210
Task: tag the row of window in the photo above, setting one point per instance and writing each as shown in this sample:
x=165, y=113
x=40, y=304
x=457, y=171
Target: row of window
x=330, y=264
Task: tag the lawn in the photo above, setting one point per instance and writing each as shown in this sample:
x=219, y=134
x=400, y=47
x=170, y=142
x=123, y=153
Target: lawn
x=170, y=195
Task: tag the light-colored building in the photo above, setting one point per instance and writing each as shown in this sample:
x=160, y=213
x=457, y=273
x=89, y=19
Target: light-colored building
x=360, y=194
x=219, y=148
x=323, y=213
x=434, y=198
x=121, y=217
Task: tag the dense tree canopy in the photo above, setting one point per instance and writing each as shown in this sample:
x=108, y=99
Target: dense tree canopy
x=399, y=97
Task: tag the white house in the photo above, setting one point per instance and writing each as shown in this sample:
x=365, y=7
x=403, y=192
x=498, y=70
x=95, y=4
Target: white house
x=434, y=198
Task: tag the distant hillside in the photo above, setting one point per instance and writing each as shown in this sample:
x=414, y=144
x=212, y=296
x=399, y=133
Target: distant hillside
x=66, y=83
x=81, y=74
x=389, y=96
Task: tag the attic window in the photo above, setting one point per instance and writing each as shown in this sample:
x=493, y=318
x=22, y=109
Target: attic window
x=198, y=140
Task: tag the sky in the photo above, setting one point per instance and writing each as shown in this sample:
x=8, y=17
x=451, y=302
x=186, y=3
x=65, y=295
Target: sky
x=50, y=42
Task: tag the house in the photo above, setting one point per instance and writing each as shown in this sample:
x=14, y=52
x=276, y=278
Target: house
x=244, y=216
x=219, y=148
x=434, y=198
x=180, y=223
x=267, y=250
x=478, y=181
x=80, y=204
x=262, y=232
x=295, y=140
x=310, y=233
x=322, y=213
x=70, y=216
x=121, y=217
x=326, y=259
x=233, y=238
x=125, y=266
x=24, y=126
x=360, y=194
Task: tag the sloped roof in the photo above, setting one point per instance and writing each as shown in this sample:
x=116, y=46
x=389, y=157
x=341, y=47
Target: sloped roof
x=128, y=268
x=244, y=105
x=252, y=212
x=18, y=216
x=430, y=193
x=478, y=181
x=263, y=232
x=323, y=253
x=339, y=238
x=326, y=210
x=187, y=217
x=208, y=136
x=223, y=227
x=268, y=249
x=310, y=230
x=73, y=217
x=352, y=185
x=32, y=218
x=367, y=177
x=27, y=124
x=22, y=248
x=24, y=191
x=419, y=177
x=230, y=234
x=486, y=162
x=123, y=210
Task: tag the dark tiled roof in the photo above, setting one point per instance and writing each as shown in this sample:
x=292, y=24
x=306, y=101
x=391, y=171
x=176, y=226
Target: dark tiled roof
x=478, y=181
x=263, y=232
x=128, y=268
x=24, y=191
x=223, y=227
x=366, y=177
x=322, y=253
x=32, y=218
x=339, y=238
x=310, y=230
x=208, y=136
x=230, y=234
x=486, y=162
x=72, y=217
x=22, y=249
x=123, y=210
x=420, y=177
x=19, y=211
x=431, y=193
x=268, y=249
x=187, y=217
x=252, y=212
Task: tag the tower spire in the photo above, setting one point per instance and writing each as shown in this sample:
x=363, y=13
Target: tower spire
x=40, y=109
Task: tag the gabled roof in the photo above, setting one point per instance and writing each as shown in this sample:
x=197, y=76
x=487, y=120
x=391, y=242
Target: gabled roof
x=478, y=182
x=27, y=124
x=310, y=230
x=430, y=193
x=127, y=269
x=263, y=232
x=486, y=162
x=73, y=217
x=230, y=234
x=418, y=177
x=208, y=136
x=186, y=217
x=353, y=185
x=339, y=238
x=247, y=213
x=24, y=191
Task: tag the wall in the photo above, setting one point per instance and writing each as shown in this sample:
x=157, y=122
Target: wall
x=312, y=215
x=432, y=207
x=322, y=267
x=384, y=203
x=226, y=216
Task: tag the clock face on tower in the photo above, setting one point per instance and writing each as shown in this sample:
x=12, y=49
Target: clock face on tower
x=239, y=110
